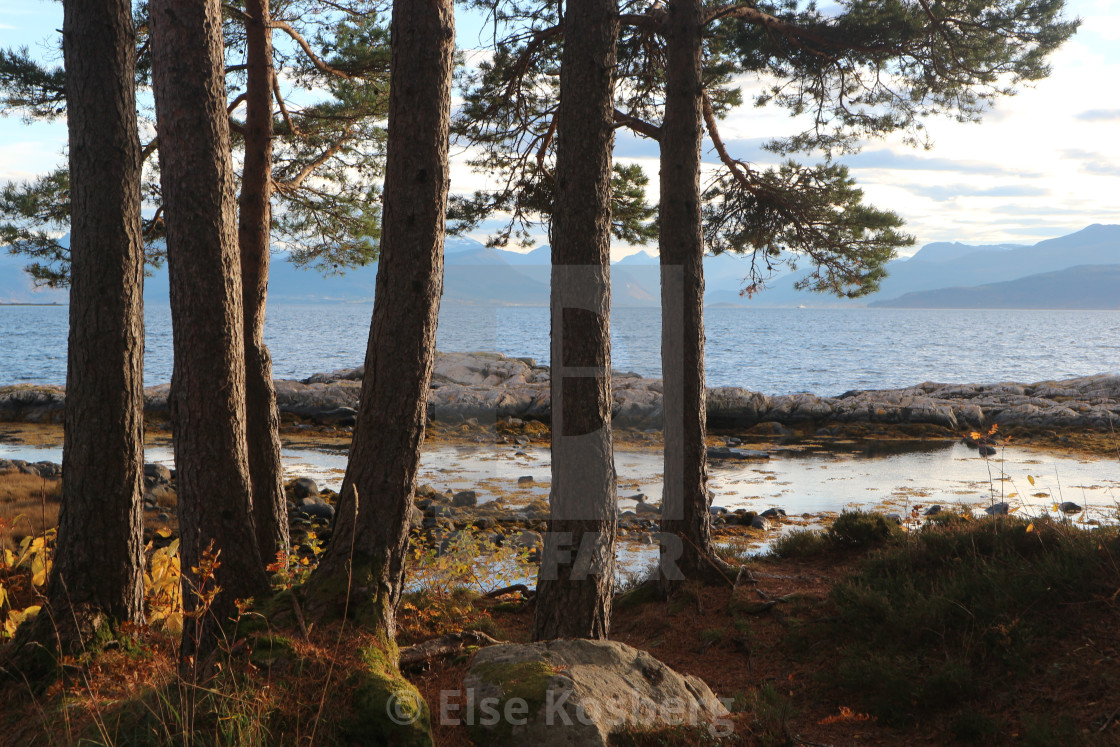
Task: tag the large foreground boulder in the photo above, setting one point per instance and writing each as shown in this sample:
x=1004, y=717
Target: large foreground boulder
x=577, y=692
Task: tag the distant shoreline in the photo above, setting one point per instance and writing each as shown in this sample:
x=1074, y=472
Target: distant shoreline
x=20, y=303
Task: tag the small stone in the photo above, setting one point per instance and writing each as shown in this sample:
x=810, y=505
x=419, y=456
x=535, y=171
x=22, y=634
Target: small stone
x=1069, y=507
x=526, y=540
x=525, y=480
x=156, y=474
x=773, y=513
x=998, y=509
x=465, y=498
x=304, y=487
x=759, y=522
x=933, y=510
x=322, y=511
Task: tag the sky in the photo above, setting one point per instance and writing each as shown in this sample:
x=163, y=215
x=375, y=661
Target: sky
x=1041, y=164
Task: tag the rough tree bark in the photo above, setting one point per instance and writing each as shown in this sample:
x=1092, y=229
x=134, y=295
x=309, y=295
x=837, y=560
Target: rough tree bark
x=253, y=234
x=207, y=397
x=365, y=560
x=576, y=578
x=686, y=545
x=97, y=578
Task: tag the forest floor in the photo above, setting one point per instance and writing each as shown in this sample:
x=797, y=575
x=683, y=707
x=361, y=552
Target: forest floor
x=848, y=639
x=992, y=631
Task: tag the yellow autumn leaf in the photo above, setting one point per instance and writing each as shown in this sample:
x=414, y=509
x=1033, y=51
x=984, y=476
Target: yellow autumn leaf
x=40, y=567
x=1030, y=479
x=1030, y=527
x=16, y=617
x=1054, y=507
x=163, y=532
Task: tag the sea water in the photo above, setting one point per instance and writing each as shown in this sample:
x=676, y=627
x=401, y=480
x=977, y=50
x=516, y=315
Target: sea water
x=775, y=351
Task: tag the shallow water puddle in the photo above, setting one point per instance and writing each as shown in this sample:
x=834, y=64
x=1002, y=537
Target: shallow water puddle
x=891, y=476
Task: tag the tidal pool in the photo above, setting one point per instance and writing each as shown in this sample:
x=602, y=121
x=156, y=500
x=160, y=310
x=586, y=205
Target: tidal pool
x=893, y=476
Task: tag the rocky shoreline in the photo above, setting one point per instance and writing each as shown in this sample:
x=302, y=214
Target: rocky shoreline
x=487, y=387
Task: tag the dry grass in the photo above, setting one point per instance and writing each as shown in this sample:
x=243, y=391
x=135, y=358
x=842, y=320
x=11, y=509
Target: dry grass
x=773, y=646
x=29, y=504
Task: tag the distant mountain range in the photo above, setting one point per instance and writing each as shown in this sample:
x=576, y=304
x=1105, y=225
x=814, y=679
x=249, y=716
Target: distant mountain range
x=1084, y=287
x=1075, y=271
x=944, y=265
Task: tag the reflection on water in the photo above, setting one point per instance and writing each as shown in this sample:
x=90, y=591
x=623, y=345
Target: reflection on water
x=807, y=479
x=811, y=481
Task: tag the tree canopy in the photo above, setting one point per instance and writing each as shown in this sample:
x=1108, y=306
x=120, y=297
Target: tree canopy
x=860, y=70
x=328, y=151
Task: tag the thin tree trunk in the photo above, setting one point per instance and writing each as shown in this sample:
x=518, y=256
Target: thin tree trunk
x=576, y=578
x=207, y=397
x=97, y=577
x=364, y=563
x=253, y=232
x=686, y=545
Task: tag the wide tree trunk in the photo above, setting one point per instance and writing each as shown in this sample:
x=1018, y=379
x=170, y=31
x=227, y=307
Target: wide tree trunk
x=97, y=577
x=686, y=544
x=576, y=578
x=253, y=232
x=363, y=568
x=207, y=397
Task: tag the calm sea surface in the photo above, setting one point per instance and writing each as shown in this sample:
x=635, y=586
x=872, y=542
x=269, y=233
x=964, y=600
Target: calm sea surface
x=776, y=351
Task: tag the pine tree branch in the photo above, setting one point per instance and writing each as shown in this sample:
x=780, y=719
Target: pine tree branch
x=759, y=18
x=317, y=61
x=738, y=169
x=294, y=183
x=640, y=126
x=283, y=107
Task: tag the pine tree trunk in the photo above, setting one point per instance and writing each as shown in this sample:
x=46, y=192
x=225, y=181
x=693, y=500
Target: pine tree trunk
x=576, y=578
x=365, y=560
x=98, y=564
x=686, y=546
x=207, y=397
x=253, y=233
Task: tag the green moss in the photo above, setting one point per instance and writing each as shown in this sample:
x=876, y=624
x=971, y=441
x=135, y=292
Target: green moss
x=272, y=651
x=525, y=681
x=328, y=596
x=386, y=708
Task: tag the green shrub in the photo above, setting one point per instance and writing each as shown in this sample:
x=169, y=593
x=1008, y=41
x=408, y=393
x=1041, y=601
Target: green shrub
x=802, y=543
x=919, y=625
x=862, y=529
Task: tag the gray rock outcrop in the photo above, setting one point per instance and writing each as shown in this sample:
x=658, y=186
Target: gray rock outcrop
x=489, y=386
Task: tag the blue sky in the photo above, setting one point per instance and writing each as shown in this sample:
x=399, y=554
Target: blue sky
x=1043, y=163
